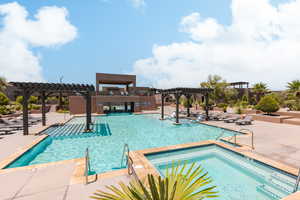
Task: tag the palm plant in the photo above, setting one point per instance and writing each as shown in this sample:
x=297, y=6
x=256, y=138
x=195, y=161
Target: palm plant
x=218, y=84
x=294, y=87
x=180, y=183
x=259, y=89
x=3, y=84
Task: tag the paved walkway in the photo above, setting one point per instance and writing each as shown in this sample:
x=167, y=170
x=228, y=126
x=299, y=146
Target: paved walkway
x=50, y=183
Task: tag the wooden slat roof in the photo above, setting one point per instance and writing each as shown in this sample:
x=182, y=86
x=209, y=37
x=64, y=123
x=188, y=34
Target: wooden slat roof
x=53, y=87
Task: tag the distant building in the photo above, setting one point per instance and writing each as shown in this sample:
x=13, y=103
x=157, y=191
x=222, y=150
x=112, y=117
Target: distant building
x=115, y=93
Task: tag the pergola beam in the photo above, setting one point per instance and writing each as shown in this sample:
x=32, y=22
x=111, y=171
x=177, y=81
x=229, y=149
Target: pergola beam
x=28, y=88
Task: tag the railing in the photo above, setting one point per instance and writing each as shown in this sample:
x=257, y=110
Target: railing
x=297, y=182
x=87, y=166
x=131, y=170
x=221, y=135
x=125, y=152
x=252, y=136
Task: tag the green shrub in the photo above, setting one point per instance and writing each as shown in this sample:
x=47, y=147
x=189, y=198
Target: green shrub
x=19, y=99
x=268, y=104
x=238, y=110
x=4, y=110
x=35, y=107
x=3, y=99
x=245, y=98
x=33, y=100
x=223, y=106
x=62, y=111
x=292, y=105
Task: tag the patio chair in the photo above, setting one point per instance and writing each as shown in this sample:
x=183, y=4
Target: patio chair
x=6, y=131
x=232, y=119
x=246, y=121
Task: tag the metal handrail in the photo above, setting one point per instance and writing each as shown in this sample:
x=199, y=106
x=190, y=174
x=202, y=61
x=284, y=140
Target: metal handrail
x=87, y=166
x=217, y=138
x=297, y=182
x=252, y=135
x=131, y=170
x=125, y=152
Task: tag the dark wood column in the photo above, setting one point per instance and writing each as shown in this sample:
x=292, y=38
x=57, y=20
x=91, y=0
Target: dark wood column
x=126, y=106
x=162, y=106
x=43, y=98
x=26, y=95
x=177, y=108
x=88, y=100
x=188, y=97
x=206, y=106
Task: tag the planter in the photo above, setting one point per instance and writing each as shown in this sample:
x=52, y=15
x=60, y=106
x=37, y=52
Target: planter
x=269, y=118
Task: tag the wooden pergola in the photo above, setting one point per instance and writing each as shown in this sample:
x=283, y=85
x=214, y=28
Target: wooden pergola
x=187, y=92
x=46, y=89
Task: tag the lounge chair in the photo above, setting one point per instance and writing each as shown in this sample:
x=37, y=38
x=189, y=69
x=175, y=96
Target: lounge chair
x=6, y=131
x=246, y=121
x=232, y=119
x=10, y=124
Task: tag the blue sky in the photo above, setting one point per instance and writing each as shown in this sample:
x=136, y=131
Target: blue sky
x=112, y=34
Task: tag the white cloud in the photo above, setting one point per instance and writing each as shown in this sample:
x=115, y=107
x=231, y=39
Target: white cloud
x=138, y=3
x=261, y=44
x=18, y=35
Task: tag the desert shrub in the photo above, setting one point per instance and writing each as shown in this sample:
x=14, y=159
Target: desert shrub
x=3, y=99
x=292, y=105
x=268, y=104
x=35, y=107
x=33, y=100
x=223, y=106
x=19, y=99
x=238, y=110
x=4, y=110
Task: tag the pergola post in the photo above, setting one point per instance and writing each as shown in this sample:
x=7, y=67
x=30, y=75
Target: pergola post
x=177, y=107
x=126, y=106
x=25, y=112
x=162, y=106
x=188, y=97
x=43, y=98
x=88, y=100
x=206, y=106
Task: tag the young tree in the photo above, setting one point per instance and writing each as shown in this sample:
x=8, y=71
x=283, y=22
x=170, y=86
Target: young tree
x=3, y=84
x=219, y=85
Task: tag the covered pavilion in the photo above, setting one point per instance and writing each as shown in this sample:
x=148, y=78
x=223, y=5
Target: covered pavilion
x=187, y=92
x=46, y=89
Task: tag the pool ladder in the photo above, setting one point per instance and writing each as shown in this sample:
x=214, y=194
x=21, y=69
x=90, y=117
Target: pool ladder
x=125, y=153
x=87, y=166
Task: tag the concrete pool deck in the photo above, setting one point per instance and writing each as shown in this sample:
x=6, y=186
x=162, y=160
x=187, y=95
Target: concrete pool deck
x=276, y=141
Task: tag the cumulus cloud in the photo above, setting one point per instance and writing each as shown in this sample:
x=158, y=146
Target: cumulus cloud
x=19, y=35
x=261, y=44
x=138, y=3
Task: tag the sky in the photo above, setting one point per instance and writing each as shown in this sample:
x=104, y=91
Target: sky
x=169, y=43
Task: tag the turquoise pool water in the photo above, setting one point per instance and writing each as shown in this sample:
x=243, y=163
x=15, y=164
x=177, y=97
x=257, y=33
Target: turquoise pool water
x=110, y=134
x=236, y=177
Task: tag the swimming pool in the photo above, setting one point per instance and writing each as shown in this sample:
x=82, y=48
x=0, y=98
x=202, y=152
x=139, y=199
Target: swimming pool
x=236, y=177
x=109, y=135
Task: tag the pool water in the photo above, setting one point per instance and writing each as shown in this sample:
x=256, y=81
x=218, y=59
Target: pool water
x=236, y=177
x=110, y=134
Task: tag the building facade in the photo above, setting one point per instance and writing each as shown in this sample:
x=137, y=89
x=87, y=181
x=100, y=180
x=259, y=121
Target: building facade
x=115, y=93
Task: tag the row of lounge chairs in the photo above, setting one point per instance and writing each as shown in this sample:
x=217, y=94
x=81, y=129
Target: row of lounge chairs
x=229, y=118
x=10, y=126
